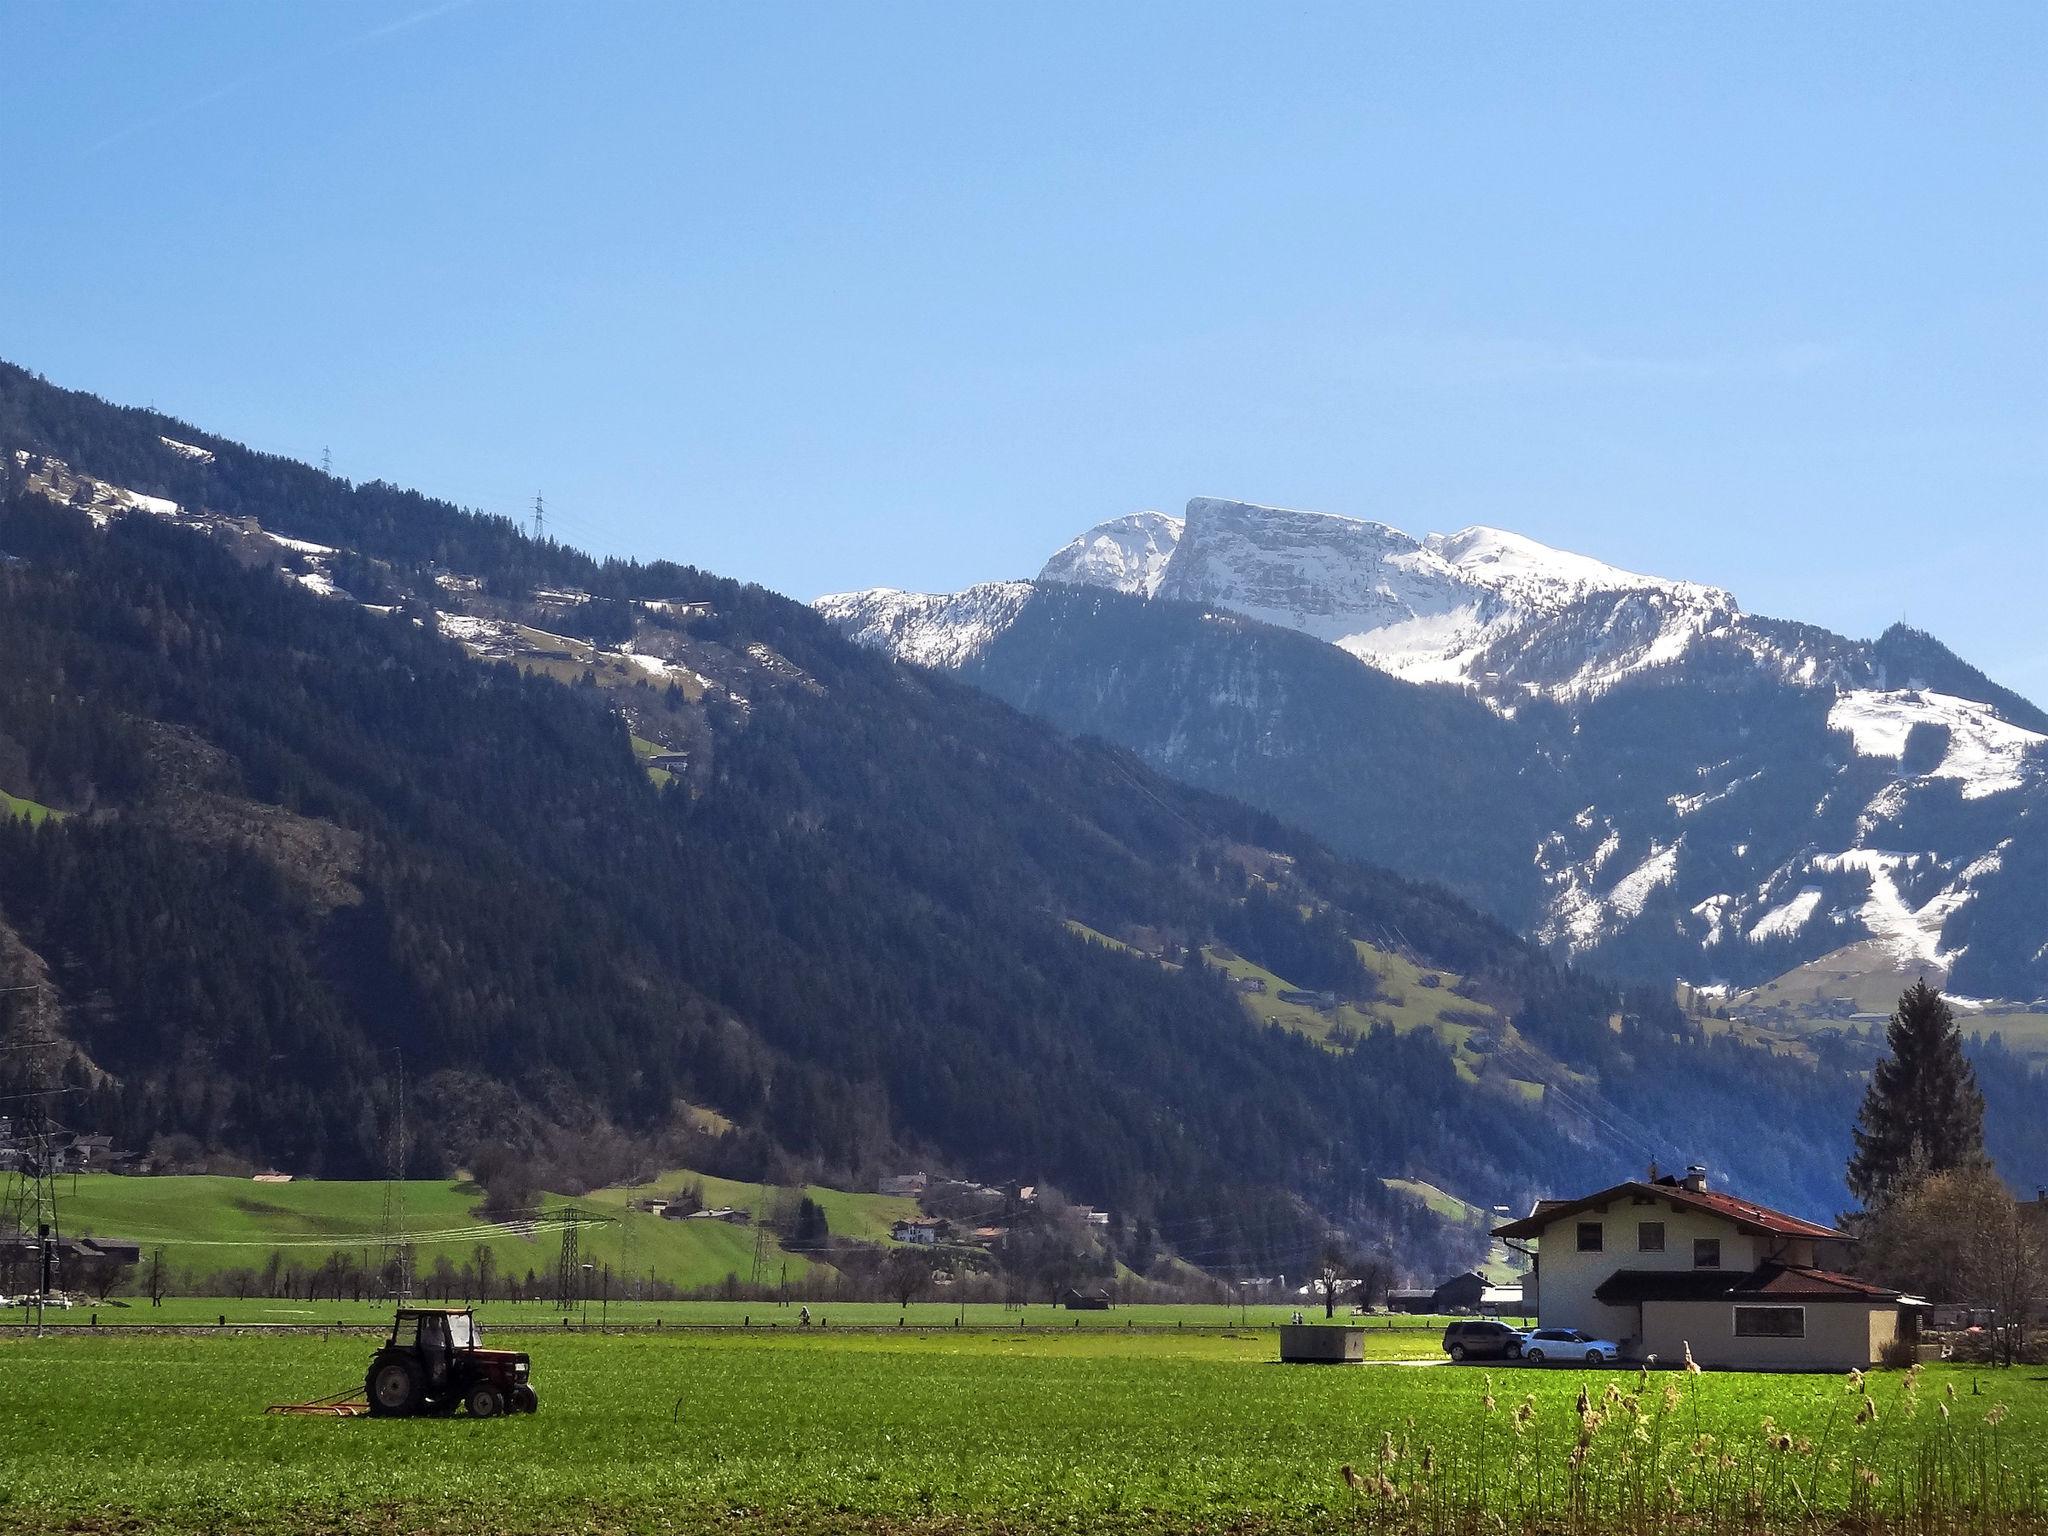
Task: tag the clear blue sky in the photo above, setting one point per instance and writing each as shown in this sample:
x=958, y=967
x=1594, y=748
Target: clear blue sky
x=833, y=295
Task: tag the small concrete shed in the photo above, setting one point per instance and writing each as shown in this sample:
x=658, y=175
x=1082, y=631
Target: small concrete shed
x=1321, y=1344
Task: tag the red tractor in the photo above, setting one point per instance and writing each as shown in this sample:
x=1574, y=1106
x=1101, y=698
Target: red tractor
x=433, y=1364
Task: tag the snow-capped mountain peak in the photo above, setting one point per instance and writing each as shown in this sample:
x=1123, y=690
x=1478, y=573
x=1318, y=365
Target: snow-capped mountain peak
x=1128, y=554
x=1483, y=608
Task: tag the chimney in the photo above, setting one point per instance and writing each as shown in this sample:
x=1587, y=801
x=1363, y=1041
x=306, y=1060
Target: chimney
x=1696, y=1178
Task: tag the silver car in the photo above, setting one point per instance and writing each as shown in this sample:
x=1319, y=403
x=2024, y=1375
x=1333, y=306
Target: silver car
x=1568, y=1344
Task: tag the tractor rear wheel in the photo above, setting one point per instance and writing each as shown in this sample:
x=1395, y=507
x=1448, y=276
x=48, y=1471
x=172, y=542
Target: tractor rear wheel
x=485, y=1401
x=394, y=1388
x=525, y=1399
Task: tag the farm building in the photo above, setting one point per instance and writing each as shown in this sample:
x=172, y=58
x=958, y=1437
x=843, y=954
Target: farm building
x=1091, y=1300
x=924, y=1232
x=903, y=1185
x=1666, y=1264
x=1460, y=1293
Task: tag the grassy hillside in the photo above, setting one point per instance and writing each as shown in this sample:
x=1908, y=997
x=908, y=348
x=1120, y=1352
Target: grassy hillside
x=209, y=1223
x=14, y=805
x=1858, y=986
x=1412, y=997
x=849, y=1213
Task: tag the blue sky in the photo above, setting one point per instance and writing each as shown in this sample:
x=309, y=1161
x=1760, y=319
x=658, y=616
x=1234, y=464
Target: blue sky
x=831, y=296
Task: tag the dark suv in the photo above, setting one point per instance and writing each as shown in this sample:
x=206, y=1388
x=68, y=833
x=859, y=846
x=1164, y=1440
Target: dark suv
x=1482, y=1341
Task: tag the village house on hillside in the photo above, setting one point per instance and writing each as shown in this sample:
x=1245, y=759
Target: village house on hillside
x=1661, y=1264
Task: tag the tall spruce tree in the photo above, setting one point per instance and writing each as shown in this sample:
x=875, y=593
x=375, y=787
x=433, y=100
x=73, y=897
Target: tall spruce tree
x=1923, y=1112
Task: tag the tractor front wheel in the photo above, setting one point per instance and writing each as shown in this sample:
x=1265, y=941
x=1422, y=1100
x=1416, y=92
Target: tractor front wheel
x=525, y=1399
x=394, y=1389
x=485, y=1401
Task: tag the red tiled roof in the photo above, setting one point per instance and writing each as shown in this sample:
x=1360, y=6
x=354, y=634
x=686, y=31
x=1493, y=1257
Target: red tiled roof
x=1796, y=1281
x=1745, y=1214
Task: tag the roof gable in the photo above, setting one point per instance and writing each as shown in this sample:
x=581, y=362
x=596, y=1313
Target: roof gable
x=1746, y=1215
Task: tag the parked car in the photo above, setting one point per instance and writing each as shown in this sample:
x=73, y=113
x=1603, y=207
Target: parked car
x=1482, y=1340
x=1542, y=1344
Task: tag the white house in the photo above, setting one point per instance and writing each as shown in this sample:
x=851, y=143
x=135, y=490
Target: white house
x=926, y=1232
x=1665, y=1263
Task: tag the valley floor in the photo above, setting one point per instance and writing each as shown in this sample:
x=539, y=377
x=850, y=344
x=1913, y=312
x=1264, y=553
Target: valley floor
x=943, y=1430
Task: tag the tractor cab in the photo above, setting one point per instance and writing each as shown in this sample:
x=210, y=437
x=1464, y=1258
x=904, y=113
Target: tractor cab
x=434, y=1362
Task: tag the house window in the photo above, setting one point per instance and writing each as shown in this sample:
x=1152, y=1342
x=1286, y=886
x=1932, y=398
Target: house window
x=1770, y=1322
x=1706, y=1253
x=1650, y=1237
x=1591, y=1237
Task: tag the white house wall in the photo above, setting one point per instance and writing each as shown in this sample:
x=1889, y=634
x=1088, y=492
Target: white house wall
x=1569, y=1277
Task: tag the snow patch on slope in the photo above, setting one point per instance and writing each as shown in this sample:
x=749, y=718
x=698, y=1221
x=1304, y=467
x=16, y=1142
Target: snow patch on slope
x=1987, y=753
x=1786, y=920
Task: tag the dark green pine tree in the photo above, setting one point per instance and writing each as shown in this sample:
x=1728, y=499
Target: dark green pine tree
x=1922, y=1112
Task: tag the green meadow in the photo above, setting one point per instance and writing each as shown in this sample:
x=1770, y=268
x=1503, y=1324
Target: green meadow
x=208, y=1224
x=971, y=1431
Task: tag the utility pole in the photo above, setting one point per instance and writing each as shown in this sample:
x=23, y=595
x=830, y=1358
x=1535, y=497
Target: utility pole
x=568, y=1269
x=32, y=1188
x=326, y=462
x=540, y=518
x=397, y=1252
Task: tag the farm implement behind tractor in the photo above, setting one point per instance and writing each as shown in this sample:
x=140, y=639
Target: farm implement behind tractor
x=432, y=1364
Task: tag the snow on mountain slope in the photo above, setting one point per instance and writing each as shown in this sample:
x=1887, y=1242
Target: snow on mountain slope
x=1482, y=608
x=934, y=630
x=1128, y=554
x=1988, y=755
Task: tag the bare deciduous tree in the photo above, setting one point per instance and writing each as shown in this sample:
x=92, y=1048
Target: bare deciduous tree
x=1959, y=1236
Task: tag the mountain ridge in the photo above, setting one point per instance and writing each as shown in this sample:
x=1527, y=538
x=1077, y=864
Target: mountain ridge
x=1901, y=789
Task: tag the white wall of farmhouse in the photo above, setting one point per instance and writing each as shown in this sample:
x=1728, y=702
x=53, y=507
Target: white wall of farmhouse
x=1569, y=1276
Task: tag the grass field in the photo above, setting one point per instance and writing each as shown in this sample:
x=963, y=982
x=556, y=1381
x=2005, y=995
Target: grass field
x=209, y=1223
x=1393, y=1336
x=966, y=1432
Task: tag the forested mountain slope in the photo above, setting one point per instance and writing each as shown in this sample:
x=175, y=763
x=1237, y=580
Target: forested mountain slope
x=305, y=820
